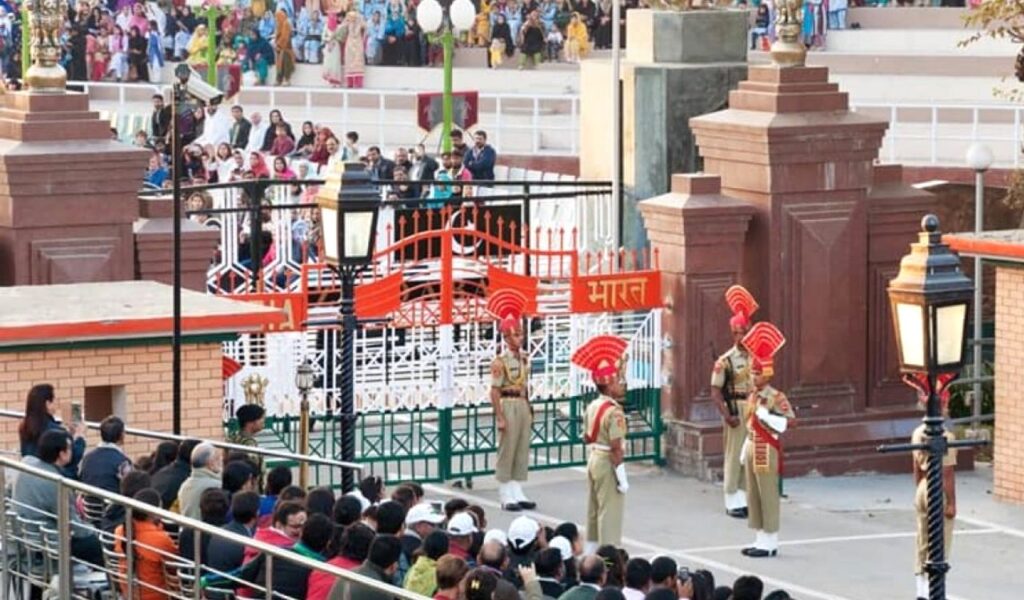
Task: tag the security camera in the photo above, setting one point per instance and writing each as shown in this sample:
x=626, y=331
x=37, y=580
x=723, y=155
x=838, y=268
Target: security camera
x=196, y=87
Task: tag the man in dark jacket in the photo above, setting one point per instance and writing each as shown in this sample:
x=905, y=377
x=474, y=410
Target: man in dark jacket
x=480, y=158
x=105, y=465
x=223, y=555
x=168, y=480
x=424, y=167
x=380, y=566
x=379, y=167
x=240, y=129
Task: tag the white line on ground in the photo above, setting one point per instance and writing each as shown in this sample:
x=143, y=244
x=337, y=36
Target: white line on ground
x=990, y=525
x=842, y=538
x=792, y=588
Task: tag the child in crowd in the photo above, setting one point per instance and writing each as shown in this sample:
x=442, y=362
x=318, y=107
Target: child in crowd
x=554, y=41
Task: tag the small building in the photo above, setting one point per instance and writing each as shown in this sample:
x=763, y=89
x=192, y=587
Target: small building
x=108, y=346
x=1005, y=249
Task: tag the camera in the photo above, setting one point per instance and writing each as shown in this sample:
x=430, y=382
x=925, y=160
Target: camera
x=196, y=87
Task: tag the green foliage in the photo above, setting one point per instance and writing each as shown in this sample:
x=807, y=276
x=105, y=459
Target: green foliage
x=959, y=395
x=999, y=19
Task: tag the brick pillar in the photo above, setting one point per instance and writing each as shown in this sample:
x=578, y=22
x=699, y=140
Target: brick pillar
x=154, y=245
x=1009, y=436
x=699, y=235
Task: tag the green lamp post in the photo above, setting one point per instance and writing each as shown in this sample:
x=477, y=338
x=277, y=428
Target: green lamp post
x=211, y=9
x=446, y=17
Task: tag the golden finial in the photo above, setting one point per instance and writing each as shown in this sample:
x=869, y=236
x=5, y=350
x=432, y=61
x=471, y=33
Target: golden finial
x=255, y=388
x=788, y=50
x=45, y=20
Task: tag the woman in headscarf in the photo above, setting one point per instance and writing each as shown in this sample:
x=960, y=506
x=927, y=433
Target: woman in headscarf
x=576, y=40
x=182, y=25
x=258, y=166
x=310, y=37
x=320, y=154
x=394, y=33
x=138, y=19
x=603, y=31
x=502, y=31
x=283, y=48
x=356, y=38
x=333, y=71
x=276, y=118
x=138, y=58
x=197, y=47
x=259, y=56
x=281, y=169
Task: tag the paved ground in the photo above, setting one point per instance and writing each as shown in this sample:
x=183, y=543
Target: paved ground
x=845, y=538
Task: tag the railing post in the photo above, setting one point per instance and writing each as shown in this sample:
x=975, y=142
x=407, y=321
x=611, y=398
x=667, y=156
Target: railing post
x=129, y=554
x=497, y=123
x=527, y=221
x=255, y=230
x=268, y=576
x=197, y=571
x=64, y=571
x=935, y=135
x=536, y=125
x=5, y=581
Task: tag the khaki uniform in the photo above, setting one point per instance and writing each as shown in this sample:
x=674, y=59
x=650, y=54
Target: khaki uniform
x=605, y=503
x=733, y=368
x=921, y=499
x=510, y=374
x=761, y=462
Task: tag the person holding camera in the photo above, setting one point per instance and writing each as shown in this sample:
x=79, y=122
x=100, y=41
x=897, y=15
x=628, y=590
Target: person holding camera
x=41, y=409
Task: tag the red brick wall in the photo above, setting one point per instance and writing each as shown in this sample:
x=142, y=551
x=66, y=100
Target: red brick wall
x=1009, y=435
x=145, y=371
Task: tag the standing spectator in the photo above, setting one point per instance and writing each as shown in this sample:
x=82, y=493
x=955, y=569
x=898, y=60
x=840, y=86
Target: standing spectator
x=39, y=499
x=155, y=49
x=422, y=576
x=118, y=45
x=40, y=408
x=168, y=480
x=333, y=71
x=310, y=34
x=151, y=549
x=351, y=149
x=394, y=34
x=251, y=420
x=761, y=24
x=380, y=565
x=106, y=465
x=379, y=167
x=481, y=158
x=458, y=144
x=603, y=30
x=207, y=464
x=374, y=40
x=423, y=168
x=240, y=129
x=555, y=42
x=77, y=67
x=285, y=63
x=160, y=118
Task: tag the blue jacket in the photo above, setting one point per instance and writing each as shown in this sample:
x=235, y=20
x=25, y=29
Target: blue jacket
x=482, y=165
x=77, y=449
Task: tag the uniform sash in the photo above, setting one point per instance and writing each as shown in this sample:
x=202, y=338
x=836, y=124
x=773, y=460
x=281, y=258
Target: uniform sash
x=762, y=434
x=595, y=427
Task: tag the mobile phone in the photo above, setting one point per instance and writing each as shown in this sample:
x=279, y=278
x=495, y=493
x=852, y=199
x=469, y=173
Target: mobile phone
x=683, y=574
x=76, y=412
x=437, y=505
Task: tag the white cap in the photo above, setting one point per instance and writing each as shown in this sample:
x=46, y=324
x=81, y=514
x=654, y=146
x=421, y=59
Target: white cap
x=496, y=535
x=461, y=524
x=522, y=531
x=563, y=545
x=423, y=513
x=362, y=499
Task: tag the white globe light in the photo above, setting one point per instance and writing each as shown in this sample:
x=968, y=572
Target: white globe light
x=979, y=157
x=463, y=14
x=429, y=15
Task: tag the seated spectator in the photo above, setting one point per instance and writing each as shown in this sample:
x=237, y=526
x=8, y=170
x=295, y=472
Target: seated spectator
x=206, y=473
x=164, y=454
x=213, y=510
x=347, y=511
x=238, y=476
x=592, y=578
x=223, y=556
x=320, y=501
x=349, y=547
x=480, y=584
x=493, y=557
x=460, y=532
x=283, y=144
x=549, y=567
x=420, y=521
x=381, y=565
x=168, y=480
x=638, y=579
x=156, y=173
x=450, y=572
x=663, y=572
x=106, y=465
x=615, y=565
x=284, y=532
x=522, y=546
x=422, y=576
x=404, y=495
x=151, y=549
x=133, y=483
x=278, y=478
x=722, y=592
x=39, y=499
x=702, y=582
x=747, y=587
x=391, y=521
x=41, y=408
x=291, y=579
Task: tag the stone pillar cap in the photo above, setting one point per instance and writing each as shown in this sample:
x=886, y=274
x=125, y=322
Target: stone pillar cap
x=696, y=184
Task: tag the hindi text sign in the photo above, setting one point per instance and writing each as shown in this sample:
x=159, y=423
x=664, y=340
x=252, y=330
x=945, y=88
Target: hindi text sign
x=617, y=292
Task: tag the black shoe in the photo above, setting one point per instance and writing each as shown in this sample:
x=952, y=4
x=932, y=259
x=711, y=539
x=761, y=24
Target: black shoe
x=737, y=513
x=760, y=553
x=511, y=507
x=527, y=504
x=746, y=551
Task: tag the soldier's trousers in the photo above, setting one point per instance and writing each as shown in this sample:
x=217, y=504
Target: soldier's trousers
x=514, y=446
x=921, y=506
x=605, y=503
x=762, y=492
x=733, y=477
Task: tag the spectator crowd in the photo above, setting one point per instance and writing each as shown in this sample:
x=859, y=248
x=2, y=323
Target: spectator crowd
x=444, y=550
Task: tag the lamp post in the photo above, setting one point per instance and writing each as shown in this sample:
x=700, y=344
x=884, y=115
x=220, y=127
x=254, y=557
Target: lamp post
x=349, y=204
x=304, y=383
x=979, y=159
x=451, y=15
x=182, y=73
x=929, y=299
x=211, y=9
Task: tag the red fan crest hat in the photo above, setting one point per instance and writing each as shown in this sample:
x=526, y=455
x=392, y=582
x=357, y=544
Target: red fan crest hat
x=742, y=305
x=603, y=356
x=763, y=341
x=507, y=305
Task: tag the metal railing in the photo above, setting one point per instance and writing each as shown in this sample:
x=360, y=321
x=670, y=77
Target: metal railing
x=516, y=123
x=159, y=435
x=940, y=133
x=29, y=543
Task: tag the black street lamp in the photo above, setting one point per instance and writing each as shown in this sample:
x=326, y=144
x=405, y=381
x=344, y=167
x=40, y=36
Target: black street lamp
x=179, y=96
x=304, y=383
x=349, y=204
x=929, y=299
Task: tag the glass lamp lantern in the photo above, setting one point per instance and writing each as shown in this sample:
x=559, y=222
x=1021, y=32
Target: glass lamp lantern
x=304, y=377
x=929, y=298
x=349, y=205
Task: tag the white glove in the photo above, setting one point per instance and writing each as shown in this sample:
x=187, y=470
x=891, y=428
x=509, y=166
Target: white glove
x=776, y=422
x=620, y=477
x=743, y=451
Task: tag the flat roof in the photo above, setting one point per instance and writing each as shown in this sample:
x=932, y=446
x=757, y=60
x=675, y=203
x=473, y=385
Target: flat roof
x=46, y=314
x=1005, y=245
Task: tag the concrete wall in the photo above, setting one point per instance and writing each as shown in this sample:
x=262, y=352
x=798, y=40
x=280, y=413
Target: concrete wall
x=1008, y=459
